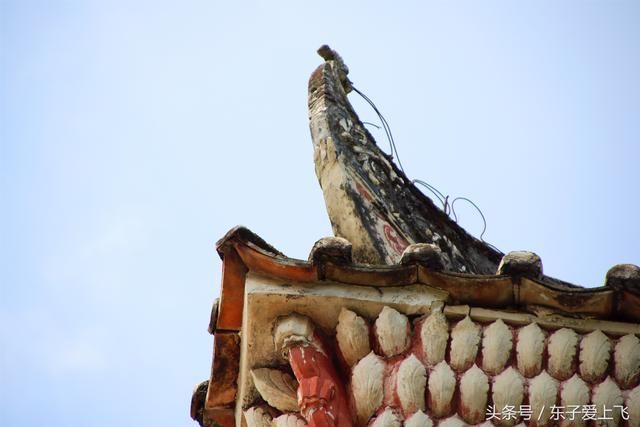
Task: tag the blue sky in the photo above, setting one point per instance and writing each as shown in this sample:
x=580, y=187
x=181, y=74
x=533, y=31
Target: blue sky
x=134, y=134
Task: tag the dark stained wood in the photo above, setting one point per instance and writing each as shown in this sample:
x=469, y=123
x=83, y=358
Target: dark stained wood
x=223, y=385
x=222, y=416
x=396, y=275
x=595, y=302
x=197, y=401
x=489, y=291
x=628, y=306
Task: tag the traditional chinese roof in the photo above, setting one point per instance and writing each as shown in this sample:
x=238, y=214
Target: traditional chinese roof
x=517, y=286
x=515, y=311
x=403, y=318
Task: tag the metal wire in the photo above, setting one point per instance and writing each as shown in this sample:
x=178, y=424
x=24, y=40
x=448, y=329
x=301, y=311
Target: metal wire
x=447, y=207
x=385, y=125
x=371, y=124
x=441, y=197
x=455, y=217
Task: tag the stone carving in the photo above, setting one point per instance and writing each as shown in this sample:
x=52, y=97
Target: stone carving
x=623, y=276
x=496, y=347
x=607, y=395
x=291, y=330
x=425, y=254
x=454, y=421
x=442, y=384
x=289, y=420
x=529, y=350
x=331, y=249
x=521, y=263
x=257, y=417
x=434, y=336
x=595, y=351
x=543, y=393
x=474, y=386
x=411, y=382
x=574, y=392
x=388, y=418
x=508, y=389
x=367, y=386
x=627, y=361
x=633, y=403
x=391, y=386
x=562, y=347
x=277, y=388
x=419, y=419
x=392, y=330
x=352, y=334
x=465, y=338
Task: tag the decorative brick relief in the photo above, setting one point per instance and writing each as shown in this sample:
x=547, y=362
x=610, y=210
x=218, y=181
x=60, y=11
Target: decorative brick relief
x=396, y=370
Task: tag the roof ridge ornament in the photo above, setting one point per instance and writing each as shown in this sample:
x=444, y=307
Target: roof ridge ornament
x=341, y=68
x=369, y=199
x=521, y=263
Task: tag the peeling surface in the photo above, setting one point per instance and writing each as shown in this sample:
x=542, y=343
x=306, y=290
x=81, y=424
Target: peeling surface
x=397, y=373
x=292, y=329
x=370, y=201
x=397, y=377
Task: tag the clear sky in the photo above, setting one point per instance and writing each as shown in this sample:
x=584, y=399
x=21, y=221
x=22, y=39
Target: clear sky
x=134, y=134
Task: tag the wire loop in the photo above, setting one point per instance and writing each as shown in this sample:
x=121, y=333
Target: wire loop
x=448, y=208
